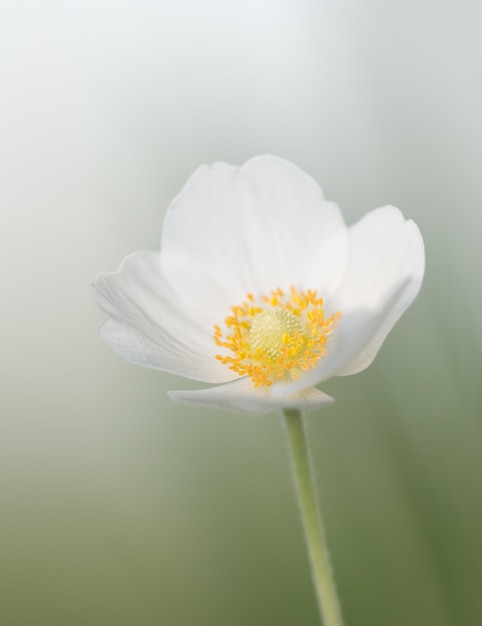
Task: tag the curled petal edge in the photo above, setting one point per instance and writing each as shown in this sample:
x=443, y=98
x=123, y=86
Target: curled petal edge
x=241, y=396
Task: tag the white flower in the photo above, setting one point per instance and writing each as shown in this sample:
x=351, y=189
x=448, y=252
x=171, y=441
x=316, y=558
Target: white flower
x=260, y=286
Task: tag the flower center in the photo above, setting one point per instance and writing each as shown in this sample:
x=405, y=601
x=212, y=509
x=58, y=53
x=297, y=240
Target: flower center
x=272, y=329
x=276, y=336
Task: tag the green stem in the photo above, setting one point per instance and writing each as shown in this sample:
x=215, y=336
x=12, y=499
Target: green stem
x=312, y=523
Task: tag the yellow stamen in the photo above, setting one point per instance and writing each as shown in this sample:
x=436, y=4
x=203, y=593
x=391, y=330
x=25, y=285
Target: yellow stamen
x=275, y=336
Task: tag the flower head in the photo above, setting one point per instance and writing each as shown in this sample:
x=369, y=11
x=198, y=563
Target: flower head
x=260, y=287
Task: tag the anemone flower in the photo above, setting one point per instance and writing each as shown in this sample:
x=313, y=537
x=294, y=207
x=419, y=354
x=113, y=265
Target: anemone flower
x=260, y=288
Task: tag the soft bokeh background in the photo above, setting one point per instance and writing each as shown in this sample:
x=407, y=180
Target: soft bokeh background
x=120, y=508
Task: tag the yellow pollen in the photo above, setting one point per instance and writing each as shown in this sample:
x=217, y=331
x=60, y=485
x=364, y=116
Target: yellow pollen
x=276, y=336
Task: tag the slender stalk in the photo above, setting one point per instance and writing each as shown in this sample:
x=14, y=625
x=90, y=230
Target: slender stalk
x=312, y=523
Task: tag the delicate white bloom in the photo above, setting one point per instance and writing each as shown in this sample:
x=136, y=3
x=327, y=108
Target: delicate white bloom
x=260, y=286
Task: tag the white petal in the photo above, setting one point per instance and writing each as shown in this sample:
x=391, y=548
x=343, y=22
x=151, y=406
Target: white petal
x=386, y=251
x=384, y=275
x=240, y=395
x=251, y=229
x=148, y=326
x=355, y=332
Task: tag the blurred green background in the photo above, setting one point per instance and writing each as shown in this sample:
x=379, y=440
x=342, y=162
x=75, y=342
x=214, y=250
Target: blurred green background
x=120, y=508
